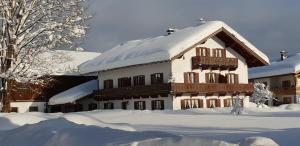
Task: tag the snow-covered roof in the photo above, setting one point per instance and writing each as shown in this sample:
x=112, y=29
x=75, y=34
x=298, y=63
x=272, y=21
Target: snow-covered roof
x=66, y=62
x=160, y=48
x=287, y=66
x=75, y=93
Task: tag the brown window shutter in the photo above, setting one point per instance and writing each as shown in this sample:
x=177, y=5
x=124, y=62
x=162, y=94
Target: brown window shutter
x=196, y=77
x=207, y=78
x=182, y=104
x=225, y=103
x=218, y=103
x=227, y=78
x=207, y=52
x=224, y=53
x=217, y=77
x=185, y=77
x=198, y=51
x=236, y=78
x=207, y=103
x=152, y=104
x=200, y=102
x=152, y=78
x=214, y=53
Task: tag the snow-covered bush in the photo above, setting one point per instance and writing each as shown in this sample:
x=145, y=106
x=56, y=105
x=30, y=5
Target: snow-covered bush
x=261, y=95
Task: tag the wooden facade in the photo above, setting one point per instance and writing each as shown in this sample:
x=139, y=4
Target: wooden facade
x=31, y=92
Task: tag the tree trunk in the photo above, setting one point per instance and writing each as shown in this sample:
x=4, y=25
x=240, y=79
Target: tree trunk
x=5, y=98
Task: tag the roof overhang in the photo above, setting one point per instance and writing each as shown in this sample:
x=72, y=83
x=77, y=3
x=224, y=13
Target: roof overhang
x=252, y=58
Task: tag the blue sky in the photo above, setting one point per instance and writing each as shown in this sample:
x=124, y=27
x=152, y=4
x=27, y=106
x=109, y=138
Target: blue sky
x=271, y=25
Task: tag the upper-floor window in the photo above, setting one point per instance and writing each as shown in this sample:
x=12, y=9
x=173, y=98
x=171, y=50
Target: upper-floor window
x=124, y=82
x=232, y=78
x=139, y=80
x=157, y=78
x=108, y=84
x=191, y=77
x=219, y=52
x=202, y=52
x=286, y=83
x=212, y=77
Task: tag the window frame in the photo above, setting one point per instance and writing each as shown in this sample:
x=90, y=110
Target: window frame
x=155, y=79
x=108, y=84
x=139, y=80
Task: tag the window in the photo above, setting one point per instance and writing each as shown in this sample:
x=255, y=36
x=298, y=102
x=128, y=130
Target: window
x=14, y=109
x=191, y=77
x=202, y=52
x=139, y=105
x=212, y=78
x=157, y=104
x=286, y=84
x=33, y=109
x=227, y=102
x=139, y=80
x=232, y=78
x=212, y=103
x=219, y=53
x=124, y=105
x=124, y=82
x=108, y=84
x=157, y=78
x=92, y=106
x=108, y=105
x=191, y=103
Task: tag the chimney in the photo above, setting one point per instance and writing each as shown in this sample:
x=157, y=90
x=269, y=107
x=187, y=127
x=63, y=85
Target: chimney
x=170, y=31
x=283, y=55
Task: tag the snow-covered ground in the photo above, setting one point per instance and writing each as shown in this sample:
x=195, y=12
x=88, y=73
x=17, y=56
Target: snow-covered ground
x=189, y=127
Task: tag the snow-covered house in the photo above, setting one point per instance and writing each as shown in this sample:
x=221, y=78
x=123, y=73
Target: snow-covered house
x=63, y=66
x=282, y=77
x=196, y=67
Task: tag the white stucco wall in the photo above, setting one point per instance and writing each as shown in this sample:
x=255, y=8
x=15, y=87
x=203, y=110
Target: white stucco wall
x=24, y=106
x=146, y=70
x=183, y=64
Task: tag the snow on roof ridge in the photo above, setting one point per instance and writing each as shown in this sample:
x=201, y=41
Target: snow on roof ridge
x=287, y=66
x=161, y=48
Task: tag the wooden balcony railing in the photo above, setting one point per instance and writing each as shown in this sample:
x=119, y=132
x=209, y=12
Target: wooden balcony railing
x=214, y=62
x=284, y=91
x=133, y=91
x=171, y=88
x=211, y=88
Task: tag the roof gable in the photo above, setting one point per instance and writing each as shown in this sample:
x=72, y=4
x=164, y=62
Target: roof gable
x=163, y=48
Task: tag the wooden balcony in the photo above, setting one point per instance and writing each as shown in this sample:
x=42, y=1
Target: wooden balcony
x=211, y=88
x=205, y=62
x=284, y=91
x=170, y=88
x=133, y=91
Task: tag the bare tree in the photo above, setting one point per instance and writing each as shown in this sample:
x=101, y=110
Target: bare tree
x=31, y=27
